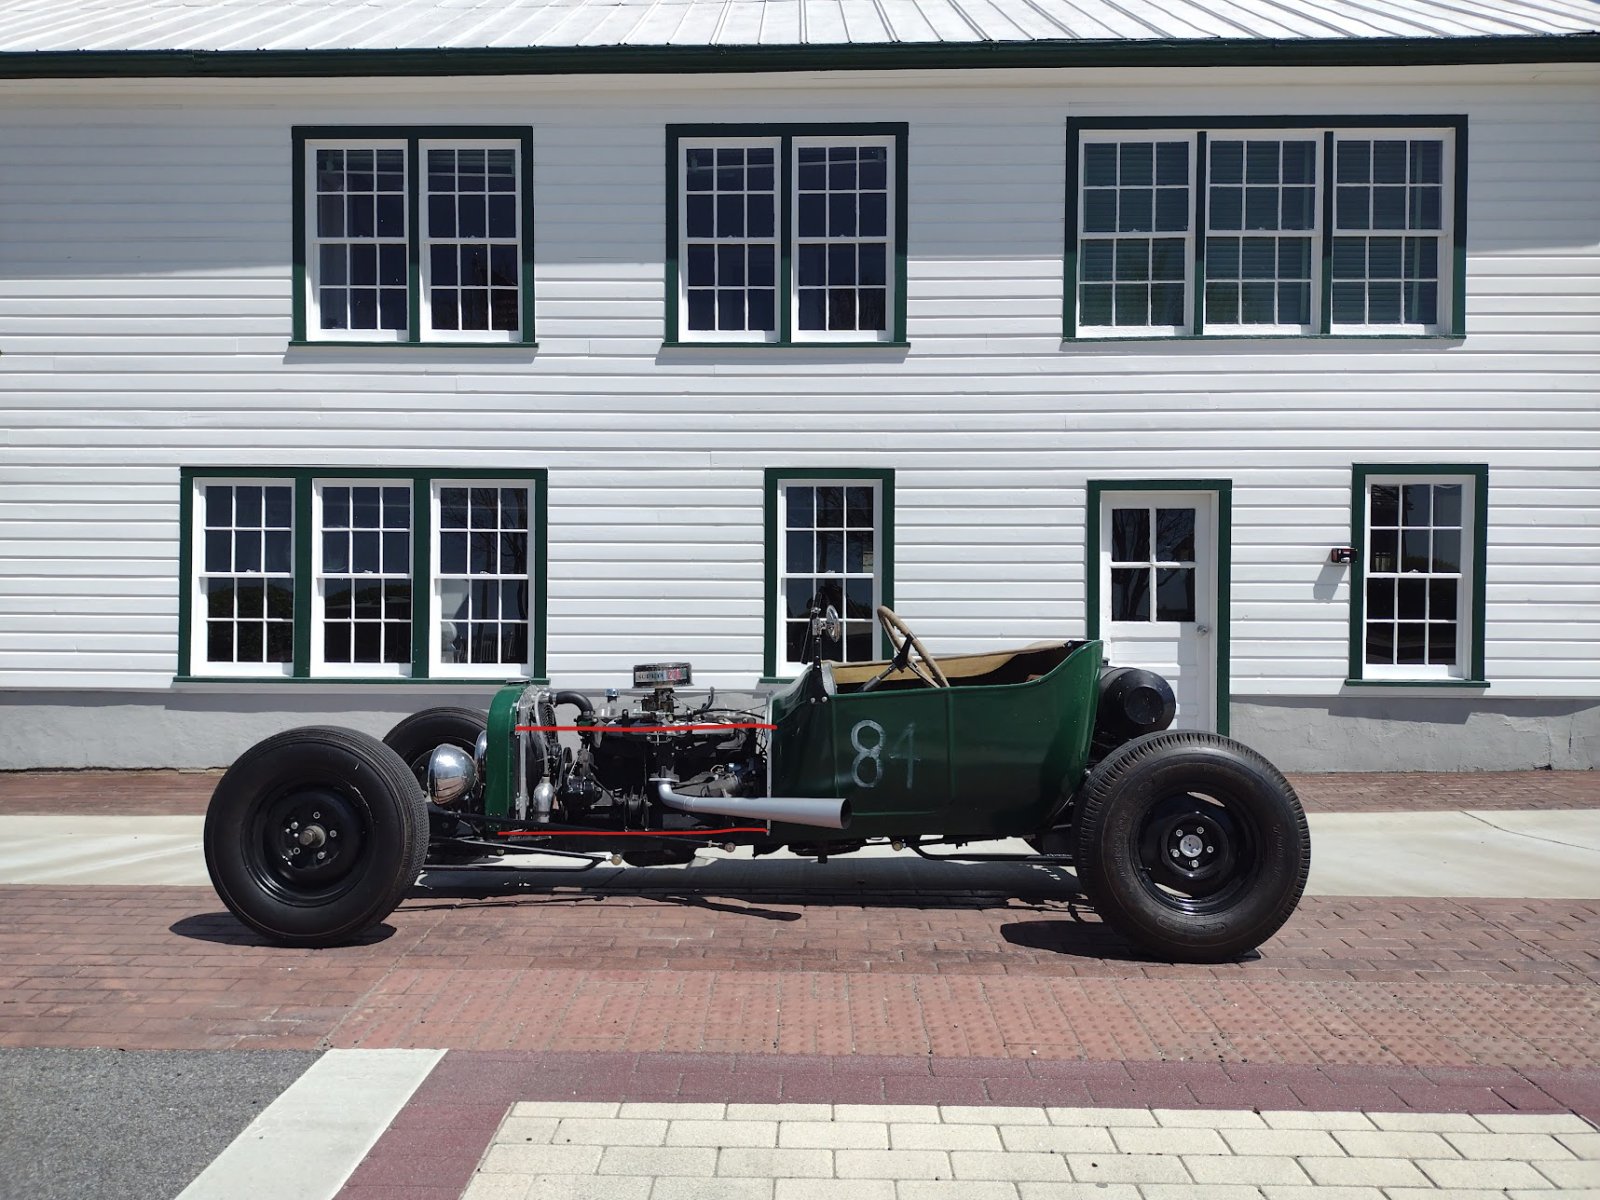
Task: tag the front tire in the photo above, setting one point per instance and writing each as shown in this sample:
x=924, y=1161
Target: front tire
x=1191, y=845
x=314, y=835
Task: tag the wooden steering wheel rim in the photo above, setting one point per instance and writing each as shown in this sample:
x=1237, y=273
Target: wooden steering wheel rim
x=899, y=633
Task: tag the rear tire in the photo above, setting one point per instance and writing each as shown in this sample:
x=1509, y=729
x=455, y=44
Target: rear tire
x=416, y=737
x=1191, y=845
x=313, y=836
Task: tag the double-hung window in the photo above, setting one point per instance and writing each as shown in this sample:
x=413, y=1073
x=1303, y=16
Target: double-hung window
x=1308, y=226
x=1417, y=587
x=830, y=543
x=784, y=234
x=362, y=575
x=413, y=235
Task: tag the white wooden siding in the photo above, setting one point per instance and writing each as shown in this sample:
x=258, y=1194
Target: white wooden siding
x=145, y=311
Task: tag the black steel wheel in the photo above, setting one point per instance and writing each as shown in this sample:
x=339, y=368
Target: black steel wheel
x=314, y=835
x=1190, y=844
x=416, y=737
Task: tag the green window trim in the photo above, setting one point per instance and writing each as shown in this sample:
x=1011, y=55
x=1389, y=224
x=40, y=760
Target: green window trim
x=302, y=481
x=1326, y=128
x=785, y=134
x=777, y=477
x=1222, y=633
x=1360, y=474
x=413, y=136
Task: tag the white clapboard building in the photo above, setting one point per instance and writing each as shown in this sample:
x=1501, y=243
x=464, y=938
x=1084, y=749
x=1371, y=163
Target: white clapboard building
x=356, y=355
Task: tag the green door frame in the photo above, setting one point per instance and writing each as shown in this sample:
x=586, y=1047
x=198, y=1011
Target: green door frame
x=1222, y=631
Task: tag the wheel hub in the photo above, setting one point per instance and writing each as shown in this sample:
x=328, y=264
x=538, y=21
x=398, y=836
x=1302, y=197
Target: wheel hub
x=1191, y=850
x=313, y=837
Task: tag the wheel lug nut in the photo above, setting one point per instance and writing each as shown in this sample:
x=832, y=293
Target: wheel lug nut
x=1210, y=850
x=333, y=833
x=1174, y=854
x=316, y=816
x=294, y=824
x=321, y=856
x=1194, y=862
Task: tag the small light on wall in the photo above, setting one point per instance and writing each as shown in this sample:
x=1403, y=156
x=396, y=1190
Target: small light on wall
x=1342, y=554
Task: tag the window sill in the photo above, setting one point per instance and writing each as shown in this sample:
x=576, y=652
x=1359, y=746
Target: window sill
x=494, y=681
x=1418, y=683
x=303, y=344
x=1077, y=338
x=785, y=345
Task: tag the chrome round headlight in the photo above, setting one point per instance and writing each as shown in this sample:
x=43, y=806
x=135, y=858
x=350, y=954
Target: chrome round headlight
x=451, y=775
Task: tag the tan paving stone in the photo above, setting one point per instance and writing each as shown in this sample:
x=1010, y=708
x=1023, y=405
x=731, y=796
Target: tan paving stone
x=779, y=1112
x=658, y=1160
x=1197, y=1191
x=1546, y=1194
x=1256, y=1170
x=964, y=1189
x=1491, y=1173
x=1320, y=1192
x=549, y=1160
x=834, y=1135
x=588, y=1187
x=527, y=1129
x=772, y=1163
x=1298, y=1119
x=949, y=1137
x=710, y=1189
x=1583, y=1145
x=904, y=1114
x=1394, y=1143
x=500, y=1187
x=722, y=1133
x=1569, y=1174
x=1296, y=1143
x=672, y=1110
x=1013, y=1165
x=1364, y=1172
x=1165, y=1141
x=891, y=1164
x=1129, y=1117
x=1207, y=1118
x=1060, y=1139
x=1426, y=1122
x=564, y=1108
x=992, y=1114
x=834, y=1189
x=1513, y=1146
x=1535, y=1123
x=1127, y=1168
x=1077, y=1191
x=609, y=1131
x=1444, y=1194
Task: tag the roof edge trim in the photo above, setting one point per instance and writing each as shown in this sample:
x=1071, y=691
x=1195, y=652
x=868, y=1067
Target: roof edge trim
x=648, y=60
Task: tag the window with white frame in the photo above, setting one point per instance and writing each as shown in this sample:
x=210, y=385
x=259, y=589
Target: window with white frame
x=482, y=574
x=455, y=270
x=1421, y=569
x=245, y=576
x=1229, y=228
x=363, y=575
x=786, y=234
x=827, y=538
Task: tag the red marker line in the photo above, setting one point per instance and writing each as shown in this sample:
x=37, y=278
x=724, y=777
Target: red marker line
x=630, y=728
x=630, y=832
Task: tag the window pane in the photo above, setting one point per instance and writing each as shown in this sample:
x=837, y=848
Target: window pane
x=1175, y=594
x=1130, y=535
x=1175, y=534
x=1130, y=594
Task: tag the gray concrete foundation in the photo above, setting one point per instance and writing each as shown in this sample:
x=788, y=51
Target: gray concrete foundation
x=1390, y=732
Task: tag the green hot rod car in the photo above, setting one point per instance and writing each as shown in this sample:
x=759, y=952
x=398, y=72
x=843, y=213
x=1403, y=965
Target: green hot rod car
x=1189, y=844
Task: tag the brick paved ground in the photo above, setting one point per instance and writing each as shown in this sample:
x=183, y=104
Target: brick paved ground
x=1348, y=981
x=142, y=793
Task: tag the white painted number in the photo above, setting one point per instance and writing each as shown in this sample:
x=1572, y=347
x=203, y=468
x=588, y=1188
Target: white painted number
x=873, y=752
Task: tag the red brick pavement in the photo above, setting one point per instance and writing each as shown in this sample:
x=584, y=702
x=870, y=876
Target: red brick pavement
x=143, y=793
x=1362, y=982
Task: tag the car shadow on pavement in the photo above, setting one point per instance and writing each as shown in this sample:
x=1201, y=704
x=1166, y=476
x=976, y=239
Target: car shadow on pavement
x=225, y=929
x=1077, y=938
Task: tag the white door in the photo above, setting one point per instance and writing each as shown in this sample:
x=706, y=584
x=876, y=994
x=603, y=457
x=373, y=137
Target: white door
x=1158, y=592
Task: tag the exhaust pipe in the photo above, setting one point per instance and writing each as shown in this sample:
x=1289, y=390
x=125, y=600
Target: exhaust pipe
x=800, y=810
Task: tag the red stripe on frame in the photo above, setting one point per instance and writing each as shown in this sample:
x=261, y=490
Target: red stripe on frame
x=630, y=728
x=630, y=832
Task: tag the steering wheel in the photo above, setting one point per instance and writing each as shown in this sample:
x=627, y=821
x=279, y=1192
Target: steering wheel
x=904, y=642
